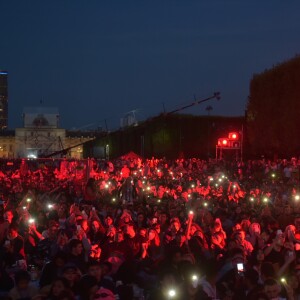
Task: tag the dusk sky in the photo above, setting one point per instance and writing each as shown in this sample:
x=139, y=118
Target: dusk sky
x=96, y=60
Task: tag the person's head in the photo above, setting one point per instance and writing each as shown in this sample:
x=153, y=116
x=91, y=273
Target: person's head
x=142, y=232
x=70, y=273
x=87, y=287
x=156, y=227
x=94, y=269
x=259, y=296
x=287, y=210
x=62, y=237
x=8, y=216
x=76, y=247
x=66, y=295
x=239, y=236
x=245, y=224
x=293, y=281
x=58, y=286
x=60, y=259
x=255, y=228
x=251, y=278
x=13, y=230
x=217, y=226
x=53, y=227
x=297, y=223
x=111, y=232
x=160, y=192
x=237, y=227
x=22, y=280
x=272, y=288
x=163, y=218
x=84, y=224
x=237, y=256
x=119, y=236
x=104, y=294
x=258, y=255
x=238, y=210
x=109, y=220
x=129, y=230
x=175, y=225
x=62, y=211
x=140, y=218
x=152, y=234
x=279, y=238
x=194, y=228
x=95, y=226
x=106, y=268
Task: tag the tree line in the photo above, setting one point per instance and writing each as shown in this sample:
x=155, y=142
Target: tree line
x=273, y=111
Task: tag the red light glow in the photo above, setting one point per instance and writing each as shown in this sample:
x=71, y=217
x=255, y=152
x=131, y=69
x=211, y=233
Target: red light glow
x=233, y=136
x=224, y=142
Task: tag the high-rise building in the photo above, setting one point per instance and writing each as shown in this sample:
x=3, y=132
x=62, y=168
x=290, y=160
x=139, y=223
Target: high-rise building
x=3, y=100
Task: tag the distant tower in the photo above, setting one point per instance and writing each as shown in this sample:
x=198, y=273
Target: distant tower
x=3, y=100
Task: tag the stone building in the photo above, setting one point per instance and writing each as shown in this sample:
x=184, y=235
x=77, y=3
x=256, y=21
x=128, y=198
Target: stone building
x=41, y=136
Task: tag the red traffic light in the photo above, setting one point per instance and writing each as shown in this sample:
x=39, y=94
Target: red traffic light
x=233, y=136
x=223, y=142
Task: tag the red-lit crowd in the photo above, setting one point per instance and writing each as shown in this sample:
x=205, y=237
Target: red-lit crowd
x=150, y=229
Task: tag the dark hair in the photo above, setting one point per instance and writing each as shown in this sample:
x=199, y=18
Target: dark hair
x=259, y=295
x=13, y=226
x=74, y=243
x=236, y=251
x=270, y=281
x=63, y=280
x=22, y=275
x=69, y=266
x=108, y=265
x=85, y=283
x=252, y=275
x=62, y=255
x=93, y=263
x=66, y=294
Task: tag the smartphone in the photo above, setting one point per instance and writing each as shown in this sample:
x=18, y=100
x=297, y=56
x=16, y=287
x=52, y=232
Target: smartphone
x=240, y=267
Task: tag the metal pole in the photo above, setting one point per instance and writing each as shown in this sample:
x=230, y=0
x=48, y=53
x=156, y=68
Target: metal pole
x=242, y=141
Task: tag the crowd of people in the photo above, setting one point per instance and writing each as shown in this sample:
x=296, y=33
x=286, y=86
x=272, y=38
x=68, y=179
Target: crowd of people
x=150, y=229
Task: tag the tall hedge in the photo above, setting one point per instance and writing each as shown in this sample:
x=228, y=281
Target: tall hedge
x=273, y=110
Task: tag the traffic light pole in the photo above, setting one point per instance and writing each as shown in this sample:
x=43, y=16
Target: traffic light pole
x=242, y=142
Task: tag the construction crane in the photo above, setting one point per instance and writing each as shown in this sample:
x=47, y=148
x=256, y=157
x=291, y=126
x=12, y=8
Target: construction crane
x=63, y=151
x=216, y=95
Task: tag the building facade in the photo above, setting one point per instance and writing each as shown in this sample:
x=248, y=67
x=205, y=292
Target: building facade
x=7, y=144
x=41, y=136
x=3, y=100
